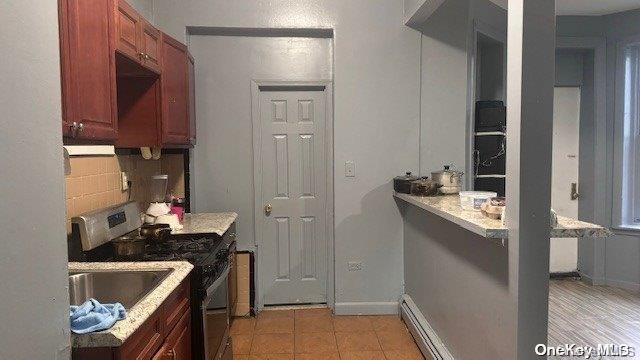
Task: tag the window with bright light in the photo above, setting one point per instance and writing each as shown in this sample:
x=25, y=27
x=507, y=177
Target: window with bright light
x=628, y=135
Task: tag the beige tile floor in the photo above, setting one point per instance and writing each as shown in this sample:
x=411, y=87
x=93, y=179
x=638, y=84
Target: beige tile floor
x=309, y=334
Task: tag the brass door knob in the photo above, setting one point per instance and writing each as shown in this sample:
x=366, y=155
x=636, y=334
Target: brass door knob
x=267, y=209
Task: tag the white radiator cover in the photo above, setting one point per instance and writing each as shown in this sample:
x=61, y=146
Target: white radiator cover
x=426, y=338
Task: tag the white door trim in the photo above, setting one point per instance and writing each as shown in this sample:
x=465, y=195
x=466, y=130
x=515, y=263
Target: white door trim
x=257, y=180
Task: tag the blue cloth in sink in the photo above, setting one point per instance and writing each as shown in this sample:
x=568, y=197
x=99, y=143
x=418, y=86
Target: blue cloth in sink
x=93, y=316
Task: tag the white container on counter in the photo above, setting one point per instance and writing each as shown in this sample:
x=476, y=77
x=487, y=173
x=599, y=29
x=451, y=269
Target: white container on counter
x=472, y=200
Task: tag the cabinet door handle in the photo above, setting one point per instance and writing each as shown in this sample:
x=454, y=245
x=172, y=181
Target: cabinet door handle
x=74, y=128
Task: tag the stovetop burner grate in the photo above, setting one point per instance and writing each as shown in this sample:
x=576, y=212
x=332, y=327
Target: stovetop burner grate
x=195, y=250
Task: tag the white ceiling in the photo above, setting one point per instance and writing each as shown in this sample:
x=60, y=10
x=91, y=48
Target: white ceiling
x=588, y=7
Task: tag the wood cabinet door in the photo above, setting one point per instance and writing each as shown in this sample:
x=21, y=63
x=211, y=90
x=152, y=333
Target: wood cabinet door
x=175, y=121
x=145, y=341
x=192, y=101
x=150, y=38
x=177, y=346
x=88, y=69
x=128, y=29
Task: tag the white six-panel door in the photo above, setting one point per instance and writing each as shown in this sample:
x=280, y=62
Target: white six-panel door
x=293, y=248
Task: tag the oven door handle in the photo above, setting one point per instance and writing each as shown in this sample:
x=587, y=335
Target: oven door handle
x=211, y=289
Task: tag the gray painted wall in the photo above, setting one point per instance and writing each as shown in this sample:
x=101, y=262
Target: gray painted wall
x=223, y=158
x=376, y=120
x=444, y=88
x=490, y=77
x=33, y=264
x=446, y=40
x=587, y=166
x=460, y=282
x=144, y=7
x=622, y=262
x=621, y=252
x=569, y=68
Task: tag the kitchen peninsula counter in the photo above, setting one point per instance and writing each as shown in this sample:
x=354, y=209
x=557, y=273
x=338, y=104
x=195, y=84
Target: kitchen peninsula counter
x=448, y=208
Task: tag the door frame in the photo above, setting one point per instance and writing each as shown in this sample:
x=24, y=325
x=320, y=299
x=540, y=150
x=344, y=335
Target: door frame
x=602, y=160
x=479, y=28
x=580, y=120
x=257, y=181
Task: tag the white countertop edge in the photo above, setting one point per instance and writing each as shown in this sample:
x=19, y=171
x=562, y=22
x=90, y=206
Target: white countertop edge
x=206, y=223
x=140, y=312
x=492, y=233
x=567, y=227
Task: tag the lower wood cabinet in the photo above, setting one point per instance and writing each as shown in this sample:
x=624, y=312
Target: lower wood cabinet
x=165, y=335
x=177, y=346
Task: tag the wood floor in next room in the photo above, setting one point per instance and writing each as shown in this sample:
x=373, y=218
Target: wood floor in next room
x=310, y=334
x=590, y=315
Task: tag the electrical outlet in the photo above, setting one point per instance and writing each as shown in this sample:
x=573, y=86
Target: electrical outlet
x=354, y=265
x=350, y=169
x=125, y=181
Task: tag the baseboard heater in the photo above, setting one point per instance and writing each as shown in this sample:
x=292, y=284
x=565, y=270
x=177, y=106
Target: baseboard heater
x=426, y=338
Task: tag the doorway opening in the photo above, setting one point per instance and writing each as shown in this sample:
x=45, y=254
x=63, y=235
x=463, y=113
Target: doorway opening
x=293, y=187
x=579, y=136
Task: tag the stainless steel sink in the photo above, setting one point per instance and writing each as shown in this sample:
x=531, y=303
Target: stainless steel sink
x=125, y=287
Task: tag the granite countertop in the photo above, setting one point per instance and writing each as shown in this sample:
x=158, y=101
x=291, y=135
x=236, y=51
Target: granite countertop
x=206, y=223
x=140, y=312
x=448, y=207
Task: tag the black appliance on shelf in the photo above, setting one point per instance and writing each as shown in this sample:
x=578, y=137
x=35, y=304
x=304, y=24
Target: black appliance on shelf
x=490, y=183
x=491, y=154
x=490, y=146
x=213, y=257
x=490, y=116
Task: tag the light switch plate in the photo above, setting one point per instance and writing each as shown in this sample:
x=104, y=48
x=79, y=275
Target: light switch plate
x=349, y=169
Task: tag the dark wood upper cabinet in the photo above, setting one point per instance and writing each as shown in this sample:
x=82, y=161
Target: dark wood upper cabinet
x=88, y=69
x=150, y=40
x=128, y=23
x=123, y=81
x=136, y=38
x=192, y=100
x=175, y=120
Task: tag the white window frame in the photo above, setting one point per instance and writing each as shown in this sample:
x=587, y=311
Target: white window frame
x=626, y=165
